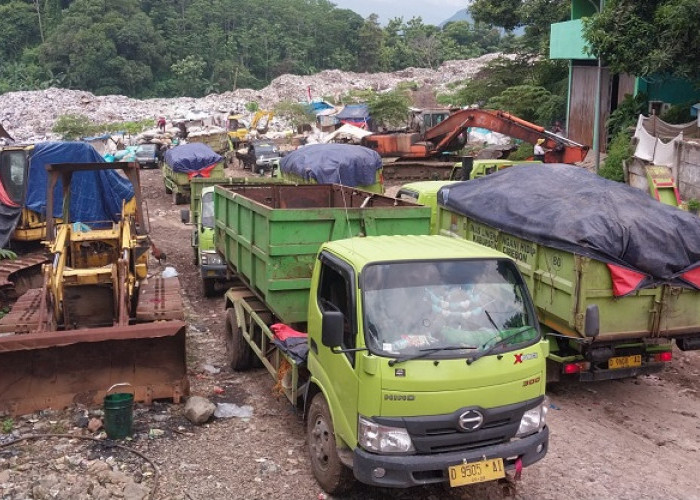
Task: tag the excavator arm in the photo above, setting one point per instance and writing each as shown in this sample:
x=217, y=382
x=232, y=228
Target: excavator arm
x=444, y=136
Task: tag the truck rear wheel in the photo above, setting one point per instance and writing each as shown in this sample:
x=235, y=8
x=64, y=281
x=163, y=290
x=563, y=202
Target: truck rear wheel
x=238, y=353
x=328, y=470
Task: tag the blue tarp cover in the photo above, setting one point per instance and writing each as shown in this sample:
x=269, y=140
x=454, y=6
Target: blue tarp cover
x=354, y=112
x=571, y=209
x=191, y=157
x=334, y=164
x=95, y=196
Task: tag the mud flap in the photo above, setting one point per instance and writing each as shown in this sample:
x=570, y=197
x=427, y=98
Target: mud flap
x=59, y=369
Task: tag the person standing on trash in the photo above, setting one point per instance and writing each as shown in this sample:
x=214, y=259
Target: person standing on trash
x=161, y=123
x=539, y=150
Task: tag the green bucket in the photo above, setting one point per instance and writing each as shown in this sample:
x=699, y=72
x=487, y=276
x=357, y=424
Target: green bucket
x=119, y=417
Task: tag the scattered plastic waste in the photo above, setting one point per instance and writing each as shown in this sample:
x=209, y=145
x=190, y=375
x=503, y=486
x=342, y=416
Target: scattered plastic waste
x=227, y=410
x=169, y=272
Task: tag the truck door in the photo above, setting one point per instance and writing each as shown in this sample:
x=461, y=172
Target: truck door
x=337, y=290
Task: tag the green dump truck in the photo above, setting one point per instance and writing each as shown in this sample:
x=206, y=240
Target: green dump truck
x=614, y=275
x=186, y=162
x=200, y=215
x=433, y=170
x=415, y=359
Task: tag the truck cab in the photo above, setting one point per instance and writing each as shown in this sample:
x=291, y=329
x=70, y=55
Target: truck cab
x=429, y=361
x=212, y=266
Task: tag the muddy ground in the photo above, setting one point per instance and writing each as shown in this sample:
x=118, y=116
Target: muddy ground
x=637, y=438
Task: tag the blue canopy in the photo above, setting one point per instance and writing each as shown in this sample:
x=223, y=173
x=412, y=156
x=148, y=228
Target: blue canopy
x=334, y=164
x=354, y=112
x=95, y=195
x=191, y=157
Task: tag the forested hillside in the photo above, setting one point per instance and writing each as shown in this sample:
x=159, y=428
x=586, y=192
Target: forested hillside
x=168, y=48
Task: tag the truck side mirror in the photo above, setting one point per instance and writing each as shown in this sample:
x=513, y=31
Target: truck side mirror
x=185, y=216
x=332, y=328
x=592, y=324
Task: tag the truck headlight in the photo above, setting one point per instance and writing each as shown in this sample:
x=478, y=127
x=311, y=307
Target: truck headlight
x=533, y=420
x=383, y=439
x=211, y=259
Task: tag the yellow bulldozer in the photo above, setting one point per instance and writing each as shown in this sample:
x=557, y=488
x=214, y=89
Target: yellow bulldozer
x=98, y=319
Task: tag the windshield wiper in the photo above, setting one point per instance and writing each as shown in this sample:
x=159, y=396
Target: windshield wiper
x=424, y=352
x=501, y=342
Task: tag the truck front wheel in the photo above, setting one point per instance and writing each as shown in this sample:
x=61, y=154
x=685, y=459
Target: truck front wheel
x=238, y=353
x=329, y=471
x=209, y=287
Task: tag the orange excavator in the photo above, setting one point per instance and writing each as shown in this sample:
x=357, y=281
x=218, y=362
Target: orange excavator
x=445, y=137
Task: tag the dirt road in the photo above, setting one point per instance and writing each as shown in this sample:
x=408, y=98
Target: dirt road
x=630, y=439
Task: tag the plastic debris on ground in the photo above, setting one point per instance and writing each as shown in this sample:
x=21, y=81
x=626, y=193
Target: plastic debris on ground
x=169, y=272
x=228, y=410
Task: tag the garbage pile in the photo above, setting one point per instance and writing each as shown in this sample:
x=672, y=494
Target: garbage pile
x=29, y=116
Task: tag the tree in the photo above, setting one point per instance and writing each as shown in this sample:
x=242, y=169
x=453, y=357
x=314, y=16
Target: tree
x=371, y=43
x=19, y=28
x=535, y=15
x=645, y=37
x=105, y=47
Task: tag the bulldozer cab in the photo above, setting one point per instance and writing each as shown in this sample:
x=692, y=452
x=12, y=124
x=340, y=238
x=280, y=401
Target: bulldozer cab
x=99, y=260
x=14, y=165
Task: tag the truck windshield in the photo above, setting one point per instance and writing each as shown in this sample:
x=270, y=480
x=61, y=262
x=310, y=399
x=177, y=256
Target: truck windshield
x=208, y=210
x=413, y=307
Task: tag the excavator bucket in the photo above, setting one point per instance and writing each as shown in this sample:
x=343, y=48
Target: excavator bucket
x=62, y=368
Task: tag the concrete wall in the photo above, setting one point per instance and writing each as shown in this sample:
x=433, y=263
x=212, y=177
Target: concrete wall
x=686, y=171
x=689, y=170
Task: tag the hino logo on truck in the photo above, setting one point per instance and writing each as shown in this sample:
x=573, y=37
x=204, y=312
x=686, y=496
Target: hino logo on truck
x=399, y=397
x=470, y=420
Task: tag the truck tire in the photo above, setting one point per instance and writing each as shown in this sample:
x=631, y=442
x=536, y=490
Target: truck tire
x=178, y=198
x=239, y=355
x=329, y=471
x=209, y=287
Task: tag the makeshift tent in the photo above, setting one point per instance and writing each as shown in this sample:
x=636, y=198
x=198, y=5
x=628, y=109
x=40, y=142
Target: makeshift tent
x=95, y=195
x=571, y=209
x=347, y=131
x=334, y=164
x=355, y=114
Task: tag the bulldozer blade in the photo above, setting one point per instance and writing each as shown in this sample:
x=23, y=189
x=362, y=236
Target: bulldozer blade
x=58, y=369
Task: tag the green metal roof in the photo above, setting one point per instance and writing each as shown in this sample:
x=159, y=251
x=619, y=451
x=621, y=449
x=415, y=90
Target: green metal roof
x=362, y=251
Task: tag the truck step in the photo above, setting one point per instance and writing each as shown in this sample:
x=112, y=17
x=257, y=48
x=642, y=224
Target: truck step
x=159, y=300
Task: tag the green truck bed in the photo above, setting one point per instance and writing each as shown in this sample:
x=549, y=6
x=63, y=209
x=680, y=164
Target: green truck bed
x=178, y=183
x=197, y=184
x=269, y=235
x=564, y=285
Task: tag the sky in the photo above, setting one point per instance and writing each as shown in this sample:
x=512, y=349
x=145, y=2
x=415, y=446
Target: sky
x=431, y=11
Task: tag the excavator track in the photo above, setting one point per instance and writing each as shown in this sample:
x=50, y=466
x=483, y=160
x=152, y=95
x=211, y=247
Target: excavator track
x=18, y=275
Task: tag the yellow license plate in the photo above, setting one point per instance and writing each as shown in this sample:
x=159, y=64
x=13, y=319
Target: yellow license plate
x=476, y=472
x=625, y=362
x=211, y=273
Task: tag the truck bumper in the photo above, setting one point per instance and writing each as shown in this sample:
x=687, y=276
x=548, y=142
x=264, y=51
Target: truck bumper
x=402, y=471
x=213, y=271
x=595, y=375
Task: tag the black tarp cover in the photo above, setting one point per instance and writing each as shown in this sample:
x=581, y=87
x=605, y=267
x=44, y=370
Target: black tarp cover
x=571, y=209
x=345, y=164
